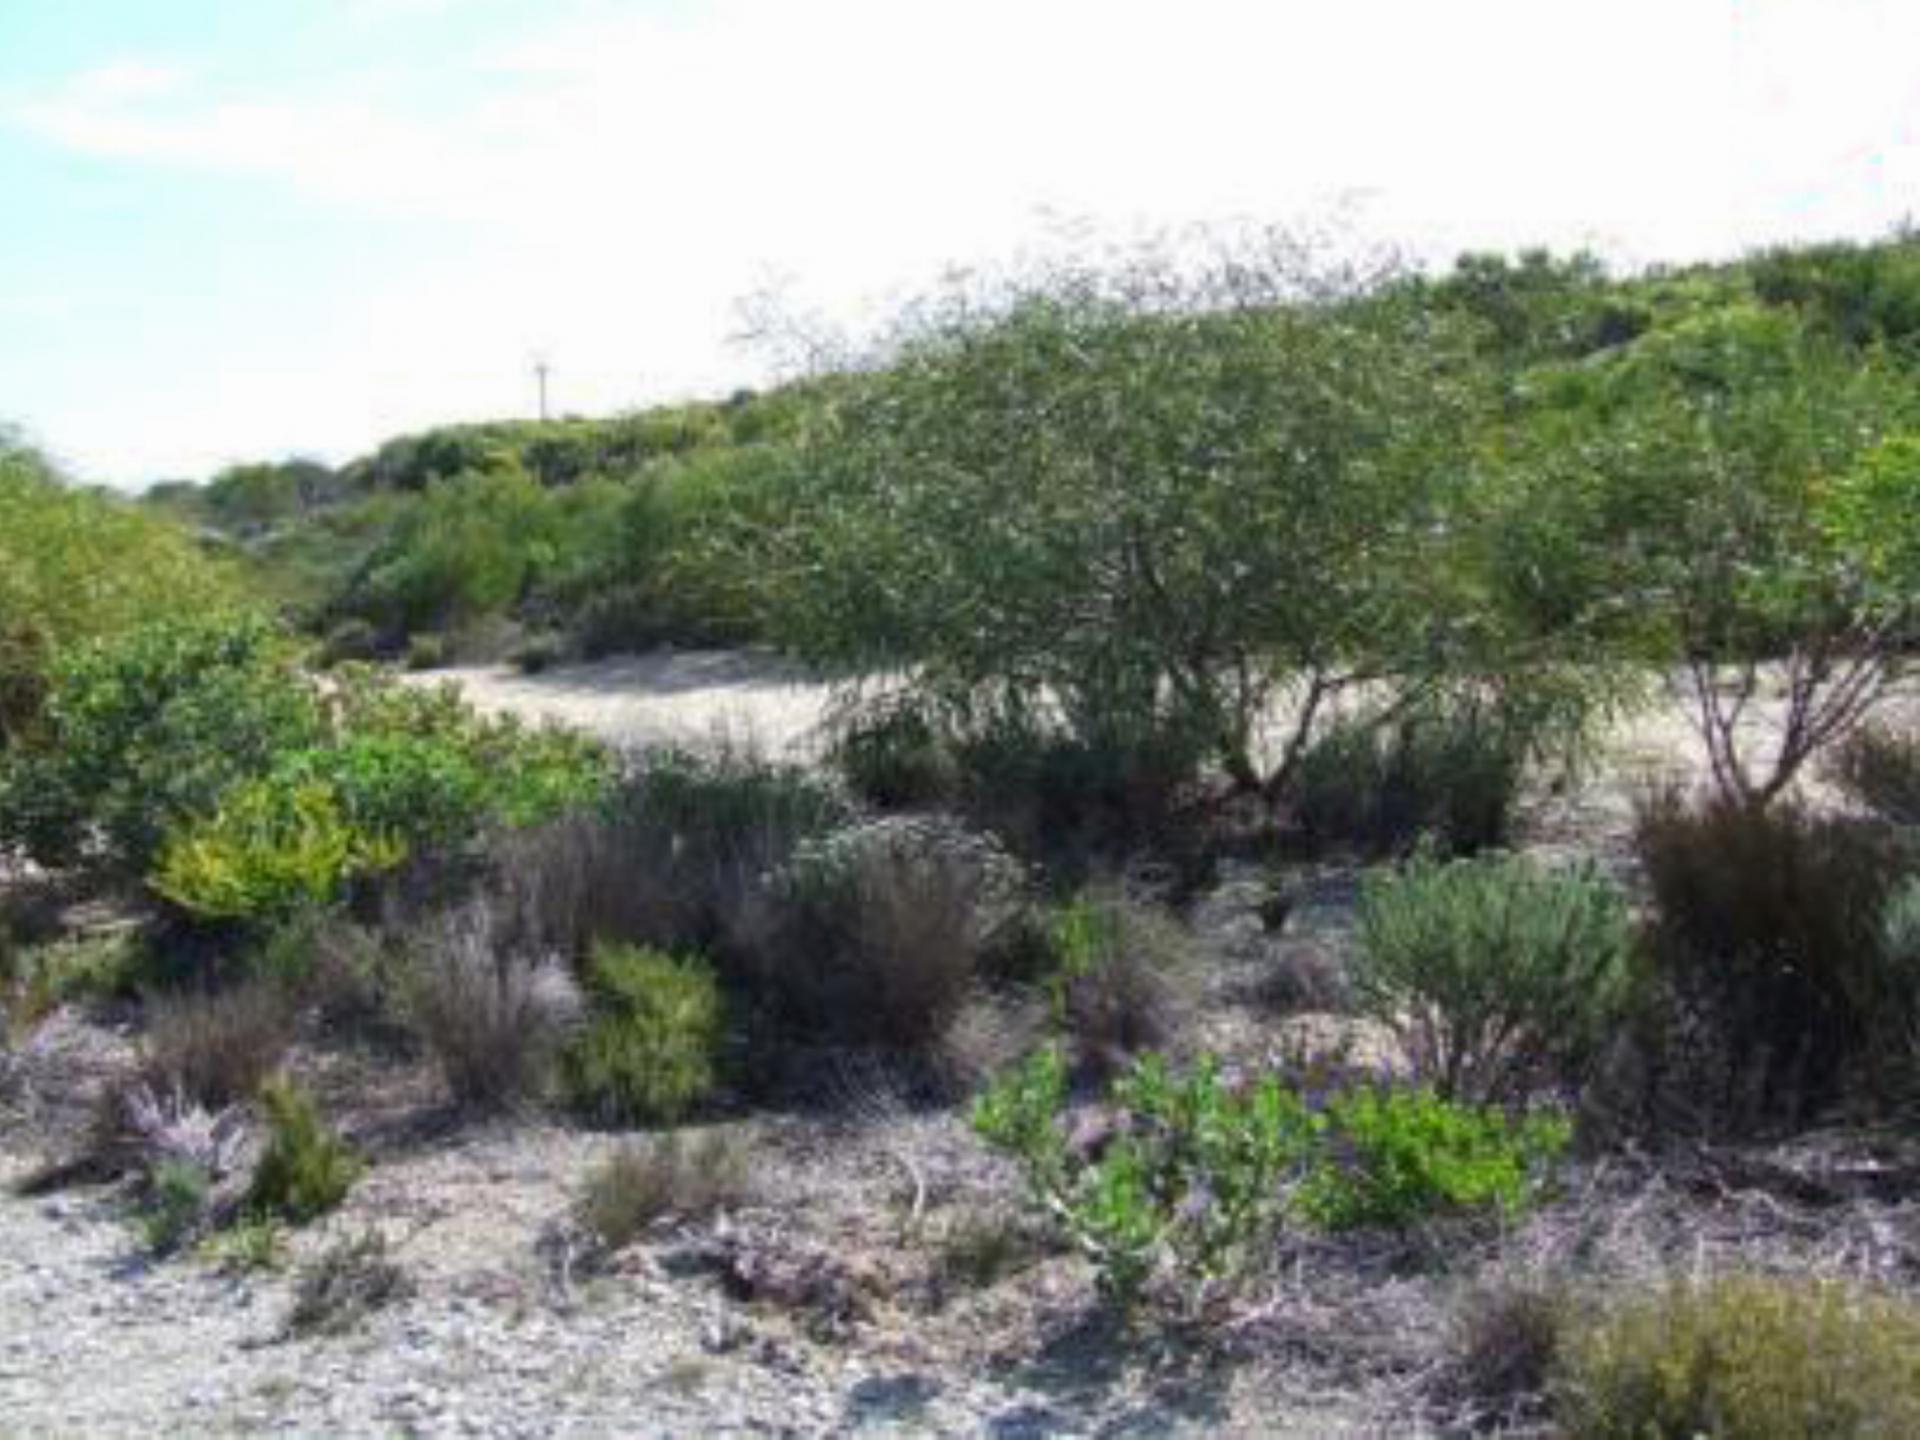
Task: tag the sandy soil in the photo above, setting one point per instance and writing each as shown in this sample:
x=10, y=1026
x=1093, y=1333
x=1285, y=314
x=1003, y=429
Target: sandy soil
x=677, y=696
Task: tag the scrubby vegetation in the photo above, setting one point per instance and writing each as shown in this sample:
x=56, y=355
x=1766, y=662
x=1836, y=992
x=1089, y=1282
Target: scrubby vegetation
x=1190, y=623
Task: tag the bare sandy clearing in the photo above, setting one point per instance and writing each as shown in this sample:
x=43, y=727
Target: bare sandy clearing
x=667, y=696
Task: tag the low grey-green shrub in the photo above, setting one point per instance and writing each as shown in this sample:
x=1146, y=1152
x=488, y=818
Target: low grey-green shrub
x=493, y=1017
x=670, y=1176
x=1498, y=975
x=351, y=1279
x=872, y=934
x=649, y=1050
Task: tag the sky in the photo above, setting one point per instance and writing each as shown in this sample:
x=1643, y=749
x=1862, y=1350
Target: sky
x=245, y=229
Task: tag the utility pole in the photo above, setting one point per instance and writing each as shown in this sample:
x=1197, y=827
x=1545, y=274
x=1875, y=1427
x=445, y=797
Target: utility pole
x=540, y=371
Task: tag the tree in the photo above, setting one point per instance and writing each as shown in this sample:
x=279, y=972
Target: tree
x=1735, y=500
x=1144, y=504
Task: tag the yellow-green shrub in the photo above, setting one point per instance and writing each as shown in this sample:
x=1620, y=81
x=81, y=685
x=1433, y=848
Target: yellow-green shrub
x=269, y=851
x=648, y=1053
x=1745, y=1356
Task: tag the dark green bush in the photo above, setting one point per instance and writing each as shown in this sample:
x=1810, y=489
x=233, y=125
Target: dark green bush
x=650, y=1049
x=175, y=1205
x=1447, y=776
x=894, y=758
x=1879, y=767
x=305, y=1170
x=1499, y=977
x=1767, y=932
x=1757, y=1357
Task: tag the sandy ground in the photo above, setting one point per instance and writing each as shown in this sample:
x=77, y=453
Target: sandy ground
x=666, y=696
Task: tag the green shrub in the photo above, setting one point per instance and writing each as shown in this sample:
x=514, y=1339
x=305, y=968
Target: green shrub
x=305, y=1169
x=79, y=566
x=271, y=849
x=147, y=729
x=1760, y=1358
x=1448, y=776
x=647, y=1181
x=1192, y=1172
x=895, y=759
x=1879, y=767
x=648, y=1052
x=1400, y=1156
x=1768, y=930
x=178, y=1194
x=1179, y=1174
x=1498, y=976
x=402, y=777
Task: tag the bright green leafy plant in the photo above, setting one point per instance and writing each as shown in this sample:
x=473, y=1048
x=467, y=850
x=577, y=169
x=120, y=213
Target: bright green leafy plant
x=1179, y=1174
x=1398, y=1156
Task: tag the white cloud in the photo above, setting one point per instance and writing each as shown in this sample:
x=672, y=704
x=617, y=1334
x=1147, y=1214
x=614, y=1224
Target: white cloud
x=621, y=176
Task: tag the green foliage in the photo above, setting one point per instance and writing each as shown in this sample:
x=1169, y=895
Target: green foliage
x=1500, y=977
x=893, y=757
x=1746, y=1355
x=79, y=566
x=270, y=850
x=1400, y=1156
x=1178, y=496
x=1190, y=1178
x=1861, y=294
x=148, y=728
x=650, y=1046
x=305, y=1169
x=1449, y=776
x=1182, y=1173
x=1537, y=308
x=1727, y=493
x=405, y=774
x=1768, y=929
x=175, y=1206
